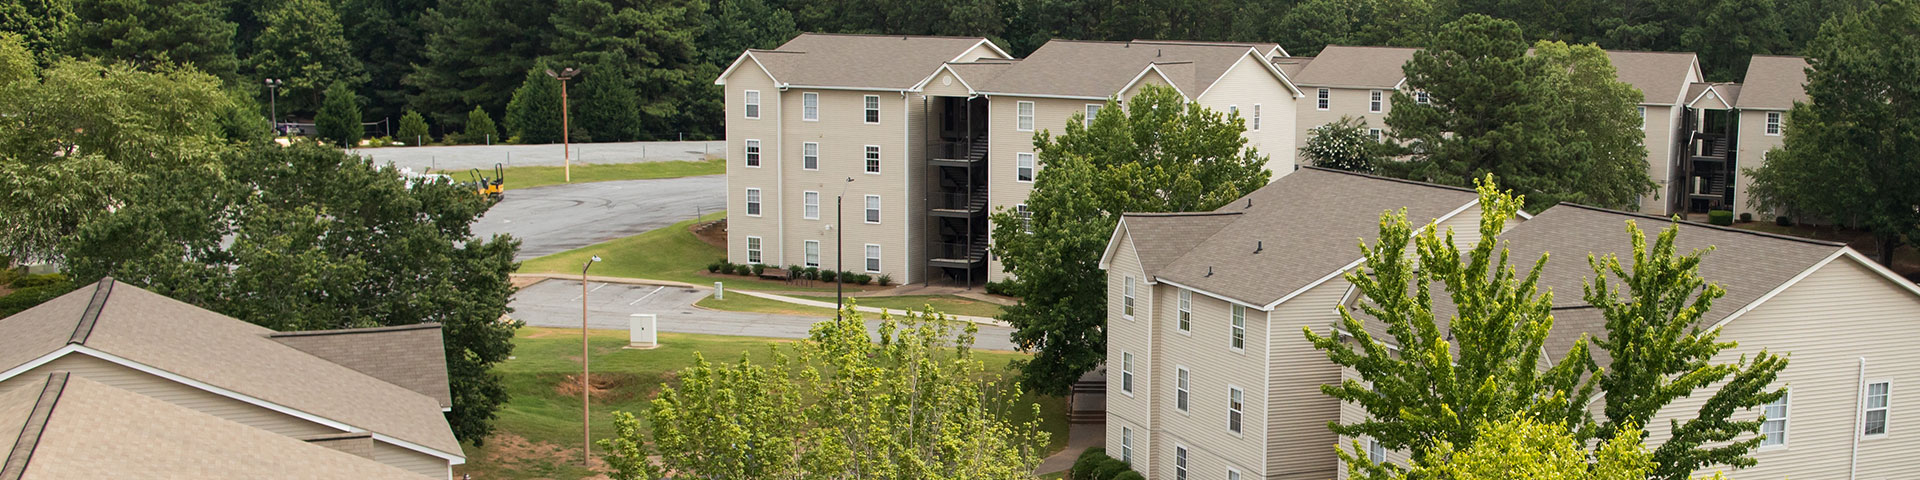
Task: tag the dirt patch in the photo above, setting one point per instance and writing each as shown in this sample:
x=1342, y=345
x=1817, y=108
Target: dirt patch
x=714, y=233
x=506, y=452
x=604, y=387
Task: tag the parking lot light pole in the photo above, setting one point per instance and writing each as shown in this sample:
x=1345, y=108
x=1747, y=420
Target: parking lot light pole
x=586, y=425
x=839, y=251
x=273, y=102
x=565, y=143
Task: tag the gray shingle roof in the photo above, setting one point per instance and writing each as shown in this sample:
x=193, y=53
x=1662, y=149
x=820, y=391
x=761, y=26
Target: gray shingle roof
x=1291, y=65
x=1356, y=67
x=225, y=352
x=1160, y=238
x=1729, y=93
x=411, y=356
x=1661, y=76
x=1773, y=83
x=1306, y=226
x=1100, y=69
x=887, y=62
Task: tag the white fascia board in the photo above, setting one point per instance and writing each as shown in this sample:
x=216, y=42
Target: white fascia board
x=922, y=86
x=786, y=86
x=1113, y=244
x=1155, y=68
x=1036, y=95
x=1216, y=295
x=37, y=362
x=1783, y=287
x=722, y=80
x=1275, y=71
x=996, y=49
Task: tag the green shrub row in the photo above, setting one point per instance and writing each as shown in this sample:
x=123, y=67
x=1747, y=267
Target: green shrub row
x=1094, y=464
x=31, y=290
x=796, y=271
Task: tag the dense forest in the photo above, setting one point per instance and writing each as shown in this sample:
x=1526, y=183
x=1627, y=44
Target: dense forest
x=648, y=65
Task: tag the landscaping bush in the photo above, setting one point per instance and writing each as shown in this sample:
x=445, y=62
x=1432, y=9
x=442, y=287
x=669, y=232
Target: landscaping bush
x=758, y=268
x=862, y=279
x=1089, y=459
x=1746, y=217
x=1783, y=221
x=813, y=273
x=41, y=280
x=715, y=266
x=728, y=268
x=28, y=297
x=1720, y=217
x=1129, y=475
x=826, y=275
x=1108, y=469
x=1003, y=288
x=885, y=280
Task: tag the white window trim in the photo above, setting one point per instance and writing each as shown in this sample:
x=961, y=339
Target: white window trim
x=751, y=240
x=1126, y=373
x=1182, y=457
x=1376, y=101
x=756, y=202
x=1093, y=110
x=1243, y=329
x=1643, y=117
x=873, y=111
x=1127, y=299
x=1184, y=313
x=1422, y=97
x=1026, y=216
x=1233, y=474
x=871, y=259
x=1126, y=444
x=879, y=159
x=1786, y=424
x=816, y=155
x=1243, y=410
x=1323, y=99
x=1775, y=124
x=872, y=204
x=751, y=153
x=1033, y=167
x=1864, y=409
x=1256, y=117
x=1232, y=109
x=1374, y=444
x=754, y=95
x=813, y=206
x=816, y=106
x=816, y=253
x=1178, y=371
x=1026, y=118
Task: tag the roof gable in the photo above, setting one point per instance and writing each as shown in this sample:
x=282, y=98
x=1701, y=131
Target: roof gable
x=1356, y=67
x=1662, y=77
x=1773, y=83
x=860, y=62
x=1097, y=70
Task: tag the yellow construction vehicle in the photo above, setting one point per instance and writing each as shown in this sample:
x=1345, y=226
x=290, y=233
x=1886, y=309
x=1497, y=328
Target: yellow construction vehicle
x=492, y=188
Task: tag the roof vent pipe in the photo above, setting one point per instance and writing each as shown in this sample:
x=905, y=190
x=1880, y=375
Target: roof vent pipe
x=1249, y=203
x=1209, y=270
x=1258, y=246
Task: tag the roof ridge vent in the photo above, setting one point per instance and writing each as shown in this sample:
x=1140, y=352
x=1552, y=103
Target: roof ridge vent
x=81, y=331
x=36, y=426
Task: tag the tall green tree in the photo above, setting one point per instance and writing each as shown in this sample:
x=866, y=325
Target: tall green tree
x=732, y=26
x=387, y=38
x=1733, y=31
x=653, y=41
x=16, y=61
x=1850, y=154
x=303, y=45
x=1345, y=145
x=1523, y=448
x=1662, y=352
x=1160, y=154
x=1314, y=24
x=308, y=238
x=338, y=121
x=476, y=53
x=605, y=106
x=913, y=403
x=1435, y=385
x=41, y=24
x=75, y=138
x=480, y=128
x=151, y=32
x=1556, y=126
x=534, y=114
x=413, y=129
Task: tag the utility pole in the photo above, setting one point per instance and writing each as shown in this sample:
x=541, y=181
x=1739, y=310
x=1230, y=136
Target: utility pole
x=273, y=102
x=565, y=130
x=586, y=424
x=839, y=250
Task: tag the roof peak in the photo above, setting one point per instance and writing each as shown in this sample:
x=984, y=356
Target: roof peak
x=1390, y=179
x=902, y=37
x=1690, y=223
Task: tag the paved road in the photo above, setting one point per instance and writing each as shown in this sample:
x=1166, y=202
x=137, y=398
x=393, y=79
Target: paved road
x=556, y=303
x=556, y=218
x=459, y=158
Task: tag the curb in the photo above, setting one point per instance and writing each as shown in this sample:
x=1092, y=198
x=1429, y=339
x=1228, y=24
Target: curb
x=768, y=296
x=811, y=303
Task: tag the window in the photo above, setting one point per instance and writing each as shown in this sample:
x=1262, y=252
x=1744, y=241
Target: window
x=1376, y=452
x=1126, y=445
x=1877, y=406
x=1643, y=118
x=1186, y=311
x=1025, y=123
x=753, y=153
x=1126, y=373
x=813, y=253
x=812, y=210
x=1234, y=405
x=753, y=104
x=1326, y=99
x=873, y=108
x=873, y=258
x=1773, y=123
x=1256, y=117
x=1376, y=133
x=753, y=250
x=1775, y=426
x=873, y=159
x=873, y=209
x=1023, y=167
x=1233, y=474
x=810, y=106
x=1422, y=98
x=1093, y=110
x=1026, y=217
x=753, y=202
x=1233, y=110
x=1375, y=101
x=1126, y=299
x=1180, y=385
x=1239, y=328
x=1179, y=462
x=810, y=156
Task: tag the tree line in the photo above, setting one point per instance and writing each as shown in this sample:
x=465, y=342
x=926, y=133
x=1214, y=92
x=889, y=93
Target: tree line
x=648, y=66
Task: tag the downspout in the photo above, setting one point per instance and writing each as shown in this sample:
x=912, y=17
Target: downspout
x=906, y=168
x=1859, y=417
x=780, y=176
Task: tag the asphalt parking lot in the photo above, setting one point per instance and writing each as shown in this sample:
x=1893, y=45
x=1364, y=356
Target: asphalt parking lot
x=457, y=158
x=557, y=218
x=556, y=303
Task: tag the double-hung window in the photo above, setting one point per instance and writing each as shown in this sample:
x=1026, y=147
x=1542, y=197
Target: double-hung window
x=1180, y=385
x=1185, y=322
x=1376, y=452
x=753, y=250
x=1376, y=101
x=1235, y=405
x=753, y=104
x=873, y=159
x=753, y=202
x=1126, y=299
x=753, y=153
x=1126, y=445
x=1775, y=426
x=873, y=258
x=1325, y=99
x=812, y=209
x=810, y=156
x=1773, y=123
x=1233, y=110
x=1643, y=118
x=1023, y=167
x=1126, y=373
x=1878, y=405
x=810, y=106
x=813, y=253
x=1239, y=341
x=1421, y=97
x=1179, y=462
x=1256, y=117
x=873, y=209
x=1233, y=474
x=1093, y=110
x=1025, y=116
x=873, y=108
x=1026, y=217
x=1377, y=134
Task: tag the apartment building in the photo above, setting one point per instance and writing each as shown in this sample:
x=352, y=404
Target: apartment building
x=1663, y=79
x=1728, y=128
x=1348, y=81
x=936, y=133
x=1209, y=374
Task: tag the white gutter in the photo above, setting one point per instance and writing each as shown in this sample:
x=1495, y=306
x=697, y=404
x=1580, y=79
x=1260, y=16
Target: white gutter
x=1859, y=419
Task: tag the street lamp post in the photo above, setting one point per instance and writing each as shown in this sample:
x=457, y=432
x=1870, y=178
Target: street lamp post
x=586, y=424
x=565, y=143
x=273, y=101
x=839, y=257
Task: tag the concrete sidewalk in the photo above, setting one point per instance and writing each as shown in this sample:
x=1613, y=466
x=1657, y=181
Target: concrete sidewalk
x=769, y=296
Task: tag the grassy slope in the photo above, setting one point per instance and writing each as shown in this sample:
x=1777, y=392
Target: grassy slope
x=529, y=177
x=941, y=303
x=669, y=253
x=547, y=416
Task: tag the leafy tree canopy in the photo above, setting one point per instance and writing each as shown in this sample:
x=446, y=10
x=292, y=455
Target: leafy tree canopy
x=534, y=114
x=339, y=118
x=1522, y=448
x=304, y=46
x=156, y=32
x=41, y=24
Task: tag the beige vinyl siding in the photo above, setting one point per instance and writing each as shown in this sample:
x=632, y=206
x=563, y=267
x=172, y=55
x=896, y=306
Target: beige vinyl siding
x=945, y=84
x=766, y=177
x=977, y=52
x=1201, y=464
x=411, y=461
x=1005, y=142
x=1827, y=322
x=1466, y=226
x=1213, y=366
x=1300, y=445
x=1350, y=102
x=1661, y=161
x=1129, y=336
x=1250, y=83
x=1351, y=413
x=1754, y=144
x=128, y=379
x=843, y=135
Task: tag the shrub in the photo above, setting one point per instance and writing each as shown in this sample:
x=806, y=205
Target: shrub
x=727, y=268
x=1108, y=469
x=1783, y=221
x=1746, y=217
x=885, y=280
x=413, y=129
x=1089, y=459
x=715, y=266
x=813, y=273
x=862, y=279
x=826, y=275
x=1129, y=475
x=41, y=280
x=1003, y=288
x=28, y=297
x=758, y=268
x=1720, y=217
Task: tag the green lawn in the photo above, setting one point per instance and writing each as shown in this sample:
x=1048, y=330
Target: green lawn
x=537, y=433
x=529, y=177
x=948, y=304
x=738, y=302
x=669, y=253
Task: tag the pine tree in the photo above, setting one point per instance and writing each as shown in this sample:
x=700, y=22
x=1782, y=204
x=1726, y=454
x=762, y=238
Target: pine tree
x=480, y=128
x=387, y=38
x=149, y=32
x=534, y=114
x=42, y=25
x=475, y=54
x=339, y=118
x=303, y=45
x=604, y=105
x=652, y=40
x=413, y=129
